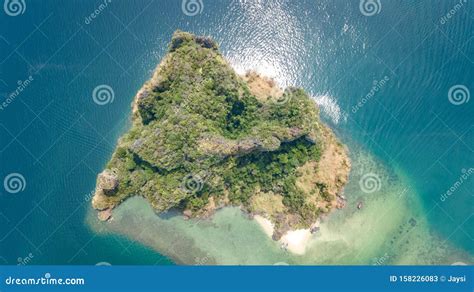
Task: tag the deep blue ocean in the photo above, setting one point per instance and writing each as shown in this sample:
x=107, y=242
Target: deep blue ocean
x=395, y=80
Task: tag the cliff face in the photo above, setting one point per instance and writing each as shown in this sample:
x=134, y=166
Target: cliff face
x=203, y=137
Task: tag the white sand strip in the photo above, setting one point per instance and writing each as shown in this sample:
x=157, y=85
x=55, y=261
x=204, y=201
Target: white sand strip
x=266, y=225
x=295, y=241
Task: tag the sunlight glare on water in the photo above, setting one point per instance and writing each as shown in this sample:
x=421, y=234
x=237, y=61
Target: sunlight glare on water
x=271, y=49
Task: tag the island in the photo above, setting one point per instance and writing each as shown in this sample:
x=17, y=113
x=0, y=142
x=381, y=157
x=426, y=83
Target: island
x=203, y=138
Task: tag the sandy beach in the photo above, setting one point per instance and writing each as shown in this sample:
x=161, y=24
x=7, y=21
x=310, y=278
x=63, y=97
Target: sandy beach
x=266, y=225
x=295, y=241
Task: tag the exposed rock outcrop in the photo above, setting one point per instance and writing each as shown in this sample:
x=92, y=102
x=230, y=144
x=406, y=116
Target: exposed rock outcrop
x=203, y=138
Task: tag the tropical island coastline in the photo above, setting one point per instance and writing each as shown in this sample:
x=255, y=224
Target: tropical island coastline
x=203, y=138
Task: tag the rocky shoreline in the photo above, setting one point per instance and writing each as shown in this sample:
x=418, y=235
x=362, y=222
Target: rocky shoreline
x=322, y=181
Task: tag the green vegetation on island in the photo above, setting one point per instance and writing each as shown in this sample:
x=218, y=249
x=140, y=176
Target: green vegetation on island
x=203, y=137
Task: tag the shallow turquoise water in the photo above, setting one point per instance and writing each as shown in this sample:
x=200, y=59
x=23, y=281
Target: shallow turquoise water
x=391, y=228
x=59, y=139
